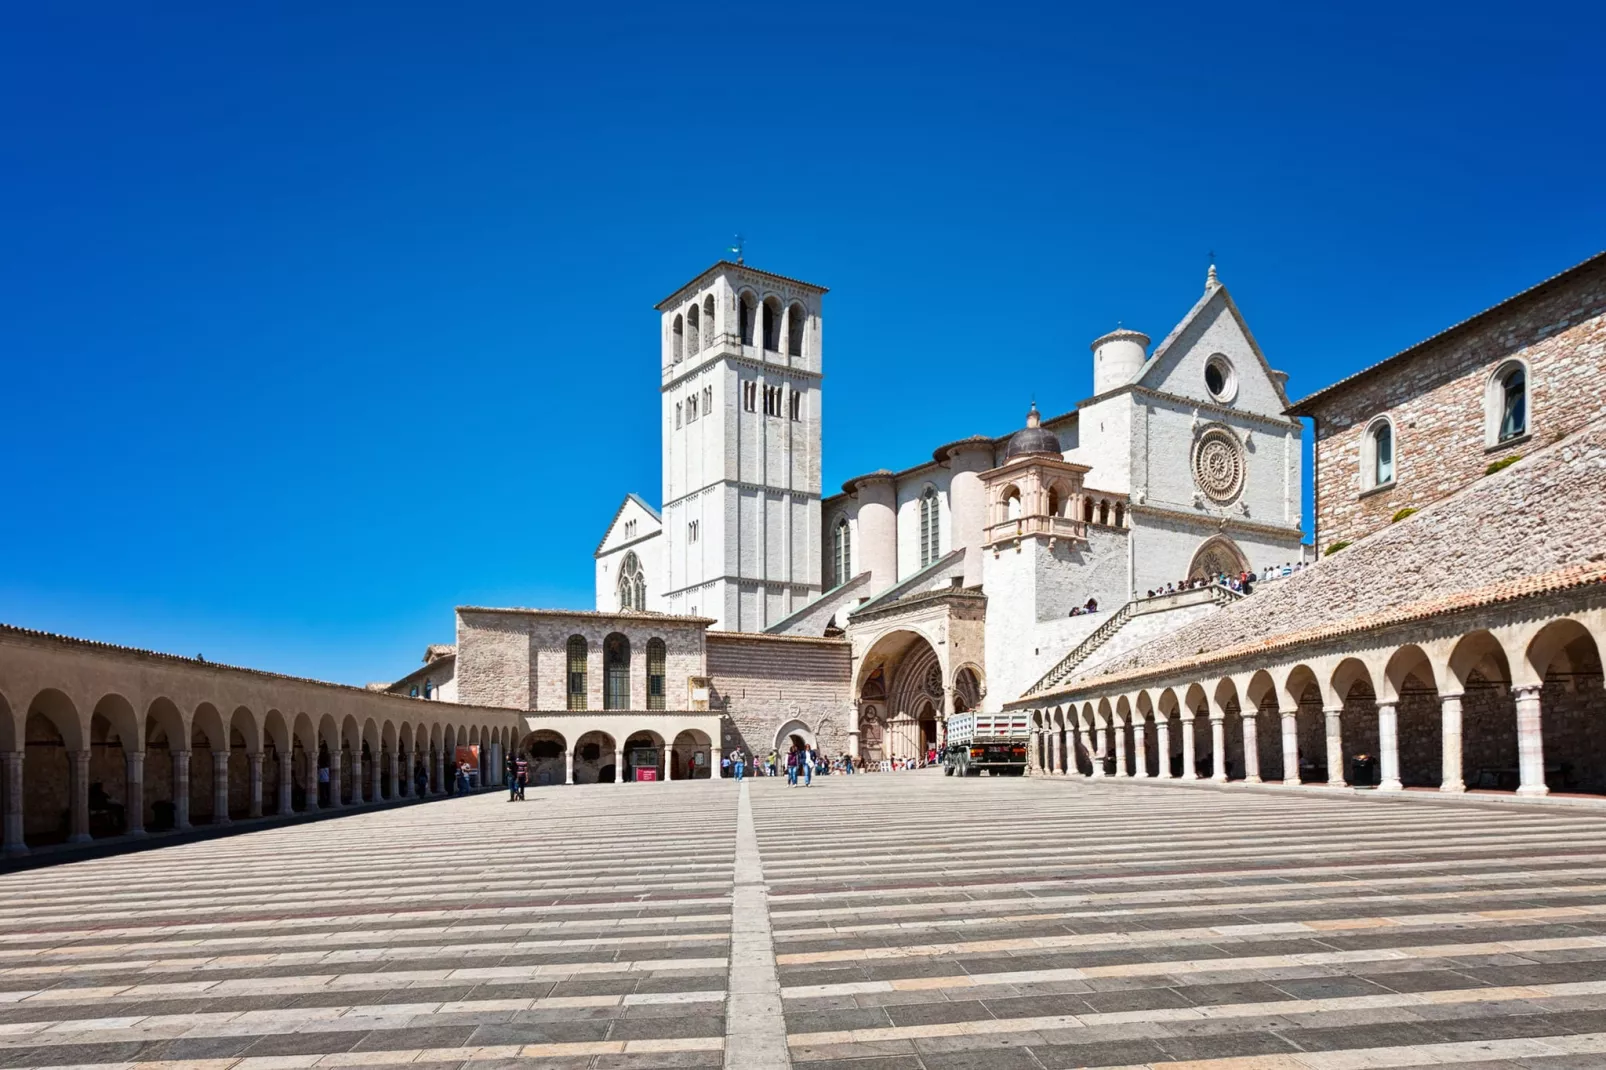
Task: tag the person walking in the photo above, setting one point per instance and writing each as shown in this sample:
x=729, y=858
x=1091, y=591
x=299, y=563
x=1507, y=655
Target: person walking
x=510, y=774
x=521, y=775
x=807, y=762
x=791, y=767
x=740, y=761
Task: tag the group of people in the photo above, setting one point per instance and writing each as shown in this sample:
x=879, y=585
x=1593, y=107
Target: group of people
x=1243, y=583
x=517, y=771
x=1092, y=606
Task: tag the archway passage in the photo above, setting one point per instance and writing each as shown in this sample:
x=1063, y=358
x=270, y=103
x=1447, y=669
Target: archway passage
x=1217, y=555
x=644, y=757
x=544, y=751
x=692, y=754
x=794, y=731
x=902, y=677
x=1572, y=708
x=594, y=759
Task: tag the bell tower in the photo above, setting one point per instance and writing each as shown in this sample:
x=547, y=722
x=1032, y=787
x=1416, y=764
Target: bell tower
x=740, y=384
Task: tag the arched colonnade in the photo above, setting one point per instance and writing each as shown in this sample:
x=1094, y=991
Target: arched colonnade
x=1516, y=707
x=599, y=747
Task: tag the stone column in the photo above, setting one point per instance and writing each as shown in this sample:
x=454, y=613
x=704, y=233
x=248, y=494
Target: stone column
x=439, y=763
x=358, y=797
x=181, y=789
x=619, y=767
x=1054, y=752
x=253, y=765
x=78, y=795
x=1120, y=748
x=1290, y=719
x=1033, y=759
x=1086, y=736
x=1099, y=748
x=14, y=845
x=568, y=766
x=398, y=789
x=220, y=787
x=287, y=783
x=853, y=734
x=1450, y=734
x=1388, y=744
x=714, y=756
x=669, y=762
x=1190, y=766
x=134, y=797
x=337, y=791
x=1530, y=742
x=376, y=777
x=1162, y=744
x=1335, y=746
x=1218, y=748
x=1251, y=731
x=1140, y=747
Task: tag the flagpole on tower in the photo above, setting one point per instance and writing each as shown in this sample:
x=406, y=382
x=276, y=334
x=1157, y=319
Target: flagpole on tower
x=741, y=244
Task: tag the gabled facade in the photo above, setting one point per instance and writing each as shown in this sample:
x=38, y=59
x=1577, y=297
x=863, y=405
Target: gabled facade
x=629, y=561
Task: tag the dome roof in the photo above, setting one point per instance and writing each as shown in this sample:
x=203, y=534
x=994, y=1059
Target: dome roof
x=1033, y=440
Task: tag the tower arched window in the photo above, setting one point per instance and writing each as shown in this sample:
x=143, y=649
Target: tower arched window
x=693, y=329
x=616, y=672
x=655, y=674
x=842, y=552
x=747, y=309
x=796, y=321
x=930, y=537
x=708, y=320
x=577, y=672
x=632, y=583
x=677, y=340
x=1377, y=461
x=772, y=325
x=1507, y=403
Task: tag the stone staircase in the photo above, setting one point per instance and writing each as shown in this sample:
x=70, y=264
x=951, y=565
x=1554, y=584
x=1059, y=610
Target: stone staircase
x=1104, y=632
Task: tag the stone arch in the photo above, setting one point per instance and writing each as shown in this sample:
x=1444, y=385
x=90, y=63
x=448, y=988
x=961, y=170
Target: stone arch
x=1566, y=658
x=1352, y=689
x=1219, y=553
x=1148, y=731
x=114, y=740
x=1227, y=705
x=1409, y=681
x=1261, y=694
x=969, y=687
x=209, y=748
x=1169, y=725
x=785, y=733
x=692, y=753
x=546, y=751
x=596, y=758
x=644, y=751
x=796, y=325
x=53, y=731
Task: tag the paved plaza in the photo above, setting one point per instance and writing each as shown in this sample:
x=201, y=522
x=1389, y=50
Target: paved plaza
x=880, y=922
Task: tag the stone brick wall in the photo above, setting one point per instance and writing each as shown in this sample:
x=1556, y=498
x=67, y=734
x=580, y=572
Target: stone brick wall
x=762, y=682
x=1435, y=398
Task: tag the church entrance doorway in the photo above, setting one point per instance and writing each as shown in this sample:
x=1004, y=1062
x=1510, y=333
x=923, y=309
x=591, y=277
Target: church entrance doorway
x=1217, y=555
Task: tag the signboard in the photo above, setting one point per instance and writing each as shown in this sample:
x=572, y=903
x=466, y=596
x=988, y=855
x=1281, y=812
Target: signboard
x=470, y=755
x=646, y=774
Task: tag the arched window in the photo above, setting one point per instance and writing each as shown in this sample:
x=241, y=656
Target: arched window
x=842, y=552
x=677, y=343
x=1378, y=460
x=655, y=674
x=747, y=309
x=616, y=672
x=412, y=692
x=796, y=321
x=577, y=672
x=1054, y=501
x=632, y=585
x=429, y=688
x=1011, y=503
x=693, y=329
x=930, y=538
x=708, y=320
x=772, y=325
x=1508, y=403
x=1120, y=515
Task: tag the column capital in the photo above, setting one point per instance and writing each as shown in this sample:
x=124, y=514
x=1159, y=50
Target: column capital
x=1286, y=714
x=1522, y=691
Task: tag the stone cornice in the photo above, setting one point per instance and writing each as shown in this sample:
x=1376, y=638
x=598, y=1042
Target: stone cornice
x=1215, y=522
x=1281, y=423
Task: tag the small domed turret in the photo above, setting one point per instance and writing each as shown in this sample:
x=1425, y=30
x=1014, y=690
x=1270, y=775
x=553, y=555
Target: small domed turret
x=1034, y=440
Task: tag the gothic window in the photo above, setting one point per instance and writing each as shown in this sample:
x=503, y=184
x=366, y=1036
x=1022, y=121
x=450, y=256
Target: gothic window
x=708, y=320
x=1378, y=455
x=842, y=552
x=750, y=396
x=797, y=405
x=1011, y=503
x=796, y=320
x=747, y=308
x=1513, y=398
x=693, y=329
x=693, y=530
x=678, y=341
x=929, y=537
x=632, y=584
x=691, y=409
x=677, y=416
x=772, y=400
x=577, y=672
x=708, y=400
x=772, y=325
x=616, y=672
x=655, y=674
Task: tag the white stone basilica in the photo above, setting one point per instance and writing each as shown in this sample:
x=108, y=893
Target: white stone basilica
x=955, y=578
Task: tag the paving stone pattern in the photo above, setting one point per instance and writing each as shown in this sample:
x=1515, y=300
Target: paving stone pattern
x=914, y=922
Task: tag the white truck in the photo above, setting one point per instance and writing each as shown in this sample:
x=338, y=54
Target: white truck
x=996, y=742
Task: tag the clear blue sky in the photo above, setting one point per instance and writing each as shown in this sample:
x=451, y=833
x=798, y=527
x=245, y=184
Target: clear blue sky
x=318, y=320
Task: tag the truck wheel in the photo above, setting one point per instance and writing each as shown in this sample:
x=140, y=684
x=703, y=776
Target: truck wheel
x=947, y=770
